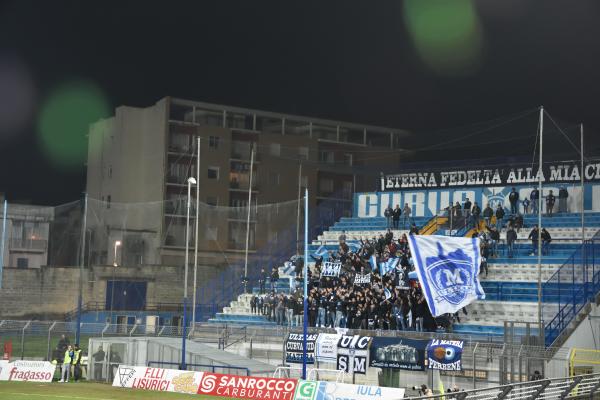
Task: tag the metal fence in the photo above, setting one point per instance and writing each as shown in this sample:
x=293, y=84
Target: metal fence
x=41, y=340
x=570, y=289
x=485, y=363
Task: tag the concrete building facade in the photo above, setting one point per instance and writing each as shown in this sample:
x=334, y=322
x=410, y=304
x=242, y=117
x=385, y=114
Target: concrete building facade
x=145, y=155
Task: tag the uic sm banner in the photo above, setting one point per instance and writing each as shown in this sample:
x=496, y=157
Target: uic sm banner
x=353, y=353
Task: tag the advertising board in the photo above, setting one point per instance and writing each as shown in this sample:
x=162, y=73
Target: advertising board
x=27, y=371
x=318, y=390
x=247, y=387
x=157, y=379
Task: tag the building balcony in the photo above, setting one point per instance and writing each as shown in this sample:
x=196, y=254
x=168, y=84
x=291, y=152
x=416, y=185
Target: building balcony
x=176, y=180
x=182, y=151
x=238, y=245
x=30, y=245
x=241, y=181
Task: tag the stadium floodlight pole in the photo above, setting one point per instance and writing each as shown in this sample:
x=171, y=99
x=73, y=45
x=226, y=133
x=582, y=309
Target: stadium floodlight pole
x=248, y=220
x=539, y=244
x=81, y=262
x=305, y=319
x=4, y=215
x=298, y=210
x=191, y=181
x=582, y=173
x=194, y=299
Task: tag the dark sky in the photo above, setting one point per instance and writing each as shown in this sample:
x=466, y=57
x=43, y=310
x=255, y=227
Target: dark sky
x=343, y=60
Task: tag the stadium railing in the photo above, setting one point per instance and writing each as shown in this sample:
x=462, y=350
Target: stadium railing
x=570, y=289
x=543, y=389
x=219, y=369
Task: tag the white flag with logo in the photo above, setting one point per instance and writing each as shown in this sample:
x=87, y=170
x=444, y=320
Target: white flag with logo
x=447, y=268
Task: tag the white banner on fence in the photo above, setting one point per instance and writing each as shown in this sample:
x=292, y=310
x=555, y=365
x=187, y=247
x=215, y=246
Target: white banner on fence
x=318, y=390
x=158, y=379
x=331, y=268
x=326, y=348
x=362, y=279
x=27, y=371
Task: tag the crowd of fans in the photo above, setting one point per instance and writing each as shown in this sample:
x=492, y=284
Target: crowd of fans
x=392, y=301
x=388, y=301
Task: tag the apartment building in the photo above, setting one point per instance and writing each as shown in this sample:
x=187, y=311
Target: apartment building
x=25, y=234
x=145, y=156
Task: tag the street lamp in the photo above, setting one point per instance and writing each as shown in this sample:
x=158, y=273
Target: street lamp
x=191, y=181
x=117, y=245
x=112, y=292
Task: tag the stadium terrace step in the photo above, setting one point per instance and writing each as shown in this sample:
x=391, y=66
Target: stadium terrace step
x=528, y=259
x=518, y=272
x=527, y=291
x=487, y=330
x=492, y=312
x=241, y=322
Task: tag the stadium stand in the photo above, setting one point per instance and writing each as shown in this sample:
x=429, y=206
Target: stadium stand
x=510, y=285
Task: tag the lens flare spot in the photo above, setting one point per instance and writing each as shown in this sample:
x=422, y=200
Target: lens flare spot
x=17, y=97
x=446, y=34
x=64, y=122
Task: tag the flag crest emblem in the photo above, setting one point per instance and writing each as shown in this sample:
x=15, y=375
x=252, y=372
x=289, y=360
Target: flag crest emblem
x=450, y=274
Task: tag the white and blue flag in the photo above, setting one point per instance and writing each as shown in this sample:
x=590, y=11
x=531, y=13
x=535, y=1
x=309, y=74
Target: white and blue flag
x=373, y=262
x=354, y=246
x=387, y=293
x=447, y=268
x=388, y=266
x=321, y=251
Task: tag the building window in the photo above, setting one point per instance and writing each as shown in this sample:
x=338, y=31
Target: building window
x=108, y=199
x=22, y=262
x=213, y=142
x=211, y=232
x=303, y=153
x=326, y=157
x=213, y=173
x=347, y=189
x=348, y=159
x=212, y=201
x=274, y=178
x=326, y=185
x=275, y=149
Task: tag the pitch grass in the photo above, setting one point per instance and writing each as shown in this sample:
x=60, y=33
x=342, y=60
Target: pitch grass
x=84, y=391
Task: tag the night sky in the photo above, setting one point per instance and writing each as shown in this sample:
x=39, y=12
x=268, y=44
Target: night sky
x=345, y=60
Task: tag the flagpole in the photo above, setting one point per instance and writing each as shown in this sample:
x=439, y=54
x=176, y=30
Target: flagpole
x=540, y=177
x=248, y=220
x=582, y=172
x=3, y=240
x=298, y=210
x=194, y=295
x=305, y=322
